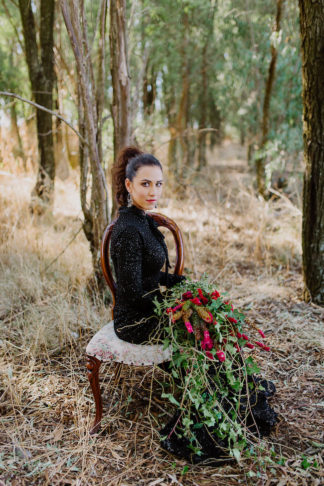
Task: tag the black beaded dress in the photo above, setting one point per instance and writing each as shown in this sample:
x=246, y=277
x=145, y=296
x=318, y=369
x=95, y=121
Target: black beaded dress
x=138, y=252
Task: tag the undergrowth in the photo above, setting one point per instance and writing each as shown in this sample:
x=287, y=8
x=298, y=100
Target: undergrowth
x=250, y=246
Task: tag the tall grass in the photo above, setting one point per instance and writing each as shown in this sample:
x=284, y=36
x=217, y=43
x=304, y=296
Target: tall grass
x=248, y=246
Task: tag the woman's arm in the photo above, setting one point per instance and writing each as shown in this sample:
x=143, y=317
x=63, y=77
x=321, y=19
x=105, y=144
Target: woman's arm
x=171, y=279
x=128, y=255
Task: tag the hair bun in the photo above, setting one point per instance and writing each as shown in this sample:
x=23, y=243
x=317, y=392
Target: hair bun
x=119, y=171
x=126, y=154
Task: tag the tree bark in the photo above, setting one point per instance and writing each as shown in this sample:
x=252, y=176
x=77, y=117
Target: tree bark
x=203, y=95
x=149, y=90
x=266, y=102
x=40, y=62
x=182, y=122
x=312, y=45
x=120, y=107
x=202, y=160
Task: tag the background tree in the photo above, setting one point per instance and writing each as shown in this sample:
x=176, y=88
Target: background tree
x=267, y=97
x=40, y=61
x=312, y=45
x=120, y=107
x=13, y=75
x=90, y=100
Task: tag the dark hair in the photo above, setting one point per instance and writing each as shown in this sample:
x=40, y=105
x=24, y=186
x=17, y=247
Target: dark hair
x=129, y=160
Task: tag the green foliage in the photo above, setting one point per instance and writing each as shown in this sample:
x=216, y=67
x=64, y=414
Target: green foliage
x=205, y=335
x=174, y=42
x=13, y=70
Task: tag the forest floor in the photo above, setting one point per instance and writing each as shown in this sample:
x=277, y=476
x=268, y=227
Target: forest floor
x=249, y=246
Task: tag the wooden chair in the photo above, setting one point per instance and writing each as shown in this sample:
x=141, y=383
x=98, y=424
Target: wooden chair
x=105, y=345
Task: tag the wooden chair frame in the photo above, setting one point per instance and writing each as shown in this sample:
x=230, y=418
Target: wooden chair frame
x=93, y=363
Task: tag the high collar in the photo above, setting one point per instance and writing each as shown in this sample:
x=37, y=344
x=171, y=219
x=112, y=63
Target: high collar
x=133, y=210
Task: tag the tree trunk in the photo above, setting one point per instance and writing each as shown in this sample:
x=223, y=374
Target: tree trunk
x=149, y=91
x=203, y=95
x=120, y=108
x=14, y=124
x=41, y=75
x=96, y=217
x=312, y=44
x=202, y=161
x=182, y=122
x=266, y=103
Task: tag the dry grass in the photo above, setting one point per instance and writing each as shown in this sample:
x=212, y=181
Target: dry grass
x=248, y=246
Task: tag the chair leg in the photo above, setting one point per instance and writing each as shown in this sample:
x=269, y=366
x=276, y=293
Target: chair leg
x=93, y=365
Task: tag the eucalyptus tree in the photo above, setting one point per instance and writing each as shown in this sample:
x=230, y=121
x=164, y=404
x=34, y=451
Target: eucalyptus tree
x=13, y=73
x=120, y=106
x=40, y=61
x=260, y=173
x=90, y=106
x=312, y=45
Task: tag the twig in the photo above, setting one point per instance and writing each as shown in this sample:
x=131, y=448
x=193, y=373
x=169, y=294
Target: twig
x=40, y=107
x=64, y=249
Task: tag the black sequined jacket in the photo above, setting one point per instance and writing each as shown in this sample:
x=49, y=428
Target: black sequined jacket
x=138, y=251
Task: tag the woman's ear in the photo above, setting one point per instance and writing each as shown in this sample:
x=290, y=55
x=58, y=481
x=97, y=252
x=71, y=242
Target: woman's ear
x=128, y=184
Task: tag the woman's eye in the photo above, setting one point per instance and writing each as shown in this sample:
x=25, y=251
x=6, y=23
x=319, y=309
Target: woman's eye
x=145, y=184
x=159, y=184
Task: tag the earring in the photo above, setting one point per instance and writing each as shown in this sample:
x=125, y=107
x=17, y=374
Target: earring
x=155, y=205
x=129, y=200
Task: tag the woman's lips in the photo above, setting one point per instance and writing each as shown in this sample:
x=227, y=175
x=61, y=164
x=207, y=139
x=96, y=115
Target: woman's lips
x=151, y=200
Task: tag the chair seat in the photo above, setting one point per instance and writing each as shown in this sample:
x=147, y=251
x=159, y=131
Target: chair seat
x=106, y=346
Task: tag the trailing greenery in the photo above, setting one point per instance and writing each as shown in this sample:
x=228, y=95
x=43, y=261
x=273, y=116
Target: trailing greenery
x=212, y=371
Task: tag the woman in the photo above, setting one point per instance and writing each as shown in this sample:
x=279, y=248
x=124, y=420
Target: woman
x=138, y=249
x=138, y=252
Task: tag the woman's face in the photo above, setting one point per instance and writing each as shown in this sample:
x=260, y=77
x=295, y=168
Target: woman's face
x=146, y=186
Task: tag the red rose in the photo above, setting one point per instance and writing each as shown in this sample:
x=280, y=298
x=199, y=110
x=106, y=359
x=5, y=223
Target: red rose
x=195, y=301
x=209, y=355
x=244, y=336
x=261, y=333
x=259, y=344
x=239, y=335
x=231, y=319
x=187, y=295
x=266, y=348
x=249, y=345
x=215, y=295
x=220, y=355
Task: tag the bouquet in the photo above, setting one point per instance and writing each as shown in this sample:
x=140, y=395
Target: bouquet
x=214, y=374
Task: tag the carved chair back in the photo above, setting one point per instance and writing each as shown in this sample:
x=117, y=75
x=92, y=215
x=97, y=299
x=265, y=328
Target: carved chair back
x=162, y=221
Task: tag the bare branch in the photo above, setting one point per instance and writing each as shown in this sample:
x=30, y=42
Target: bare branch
x=40, y=107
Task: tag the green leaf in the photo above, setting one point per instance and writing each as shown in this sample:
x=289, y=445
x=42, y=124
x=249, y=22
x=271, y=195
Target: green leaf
x=184, y=470
x=166, y=343
x=305, y=464
x=237, y=454
x=171, y=398
x=251, y=366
